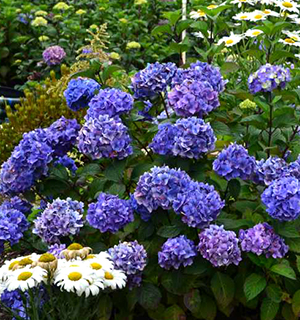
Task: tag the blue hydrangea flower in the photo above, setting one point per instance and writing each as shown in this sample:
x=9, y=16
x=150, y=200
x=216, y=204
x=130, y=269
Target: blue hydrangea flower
x=140, y=209
x=176, y=252
x=14, y=301
x=187, y=138
x=16, y=203
x=79, y=92
x=152, y=80
x=198, y=204
x=104, y=137
x=268, y=77
x=66, y=162
x=219, y=246
x=234, y=162
x=134, y=280
x=159, y=187
x=109, y=213
x=193, y=98
x=56, y=249
x=113, y=102
x=131, y=257
x=261, y=239
x=61, y=218
x=294, y=168
x=282, y=199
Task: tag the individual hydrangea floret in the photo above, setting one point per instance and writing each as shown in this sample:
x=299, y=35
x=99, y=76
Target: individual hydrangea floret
x=268, y=77
x=56, y=249
x=282, y=199
x=131, y=257
x=54, y=55
x=153, y=80
x=79, y=92
x=187, y=138
x=61, y=218
x=261, y=239
x=219, y=246
x=198, y=204
x=140, y=209
x=193, y=98
x=113, y=102
x=67, y=162
x=104, y=137
x=176, y=252
x=234, y=162
x=109, y=213
x=159, y=187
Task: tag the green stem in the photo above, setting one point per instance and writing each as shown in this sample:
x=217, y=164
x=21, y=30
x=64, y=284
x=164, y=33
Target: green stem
x=270, y=123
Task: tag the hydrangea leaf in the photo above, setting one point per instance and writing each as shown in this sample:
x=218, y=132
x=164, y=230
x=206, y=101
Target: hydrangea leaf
x=268, y=309
x=223, y=288
x=254, y=285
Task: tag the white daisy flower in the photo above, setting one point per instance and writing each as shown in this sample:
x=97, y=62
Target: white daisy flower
x=94, y=287
x=241, y=2
x=297, y=21
x=272, y=13
x=242, y=16
x=231, y=40
x=289, y=6
x=257, y=16
x=99, y=266
x=297, y=56
x=201, y=35
x=290, y=42
x=197, y=14
x=292, y=34
x=253, y=33
x=114, y=279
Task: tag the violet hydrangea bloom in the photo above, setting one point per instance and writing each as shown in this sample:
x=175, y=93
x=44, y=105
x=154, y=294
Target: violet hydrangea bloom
x=193, y=98
x=109, y=213
x=104, y=137
x=176, y=252
x=61, y=218
x=234, y=162
x=17, y=203
x=140, y=209
x=282, y=199
x=54, y=55
x=66, y=162
x=79, y=92
x=268, y=77
x=56, y=249
x=14, y=301
x=219, y=246
x=187, y=138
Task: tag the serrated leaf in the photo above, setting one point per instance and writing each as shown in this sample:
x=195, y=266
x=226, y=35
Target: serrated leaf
x=115, y=171
x=149, y=296
x=287, y=312
x=177, y=283
x=229, y=67
x=296, y=303
x=268, y=309
x=223, y=288
x=198, y=267
x=174, y=313
x=284, y=270
x=90, y=169
x=169, y=231
x=288, y=230
x=165, y=28
x=254, y=285
x=208, y=308
x=192, y=301
x=274, y=292
x=117, y=189
x=220, y=128
x=294, y=245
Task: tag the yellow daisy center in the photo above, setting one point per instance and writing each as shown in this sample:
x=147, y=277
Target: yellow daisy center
x=243, y=17
x=229, y=41
x=24, y=276
x=75, y=276
x=47, y=257
x=13, y=264
x=294, y=38
x=289, y=40
x=25, y=262
x=201, y=13
x=267, y=11
x=90, y=256
x=75, y=246
x=258, y=16
x=287, y=4
x=242, y=0
x=96, y=266
x=256, y=33
x=74, y=266
x=212, y=6
x=108, y=276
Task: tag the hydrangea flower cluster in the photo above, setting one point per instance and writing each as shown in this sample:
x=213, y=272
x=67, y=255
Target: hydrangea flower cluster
x=79, y=92
x=219, y=246
x=15, y=203
x=234, y=162
x=193, y=98
x=54, y=55
x=282, y=199
x=187, y=138
x=294, y=168
x=113, y=102
x=109, y=213
x=104, y=137
x=198, y=204
x=268, y=77
x=56, y=249
x=14, y=301
x=61, y=218
x=66, y=162
x=261, y=239
x=152, y=80
x=176, y=252
x=140, y=209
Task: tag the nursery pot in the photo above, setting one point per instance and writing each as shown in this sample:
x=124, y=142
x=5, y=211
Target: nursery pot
x=8, y=96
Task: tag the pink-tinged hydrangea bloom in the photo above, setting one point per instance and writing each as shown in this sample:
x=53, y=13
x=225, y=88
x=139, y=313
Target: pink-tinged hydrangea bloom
x=54, y=55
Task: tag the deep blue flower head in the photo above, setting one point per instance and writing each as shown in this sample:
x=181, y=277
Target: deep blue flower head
x=27, y=163
x=193, y=98
x=61, y=218
x=152, y=80
x=14, y=301
x=17, y=204
x=268, y=77
x=198, y=204
x=294, y=168
x=67, y=162
x=131, y=257
x=79, y=92
x=282, y=199
x=261, y=239
x=140, y=209
x=187, y=138
x=234, y=162
x=219, y=246
x=56, y=249
x=104, y=137
x=109, y=213
x=113, y=102
x=159, y=187
x=176, y=252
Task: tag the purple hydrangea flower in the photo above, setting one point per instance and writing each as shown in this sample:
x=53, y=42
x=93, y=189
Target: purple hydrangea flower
x=14, y=301
x=131, y=257
x=54, y=55
x=152, y=80
x=234, y=162
x=159, y=187
x=104, y=137
x=282, y=199
x=16, y=203
x=187, y=138
x=219, y=246
x=61, y=218
x=109, y=213
x=56, y=249
x=140, y=209
x=294, y=168
x=176, y=252
x=113, y=102
x=80, y=92
x=267, y=78
x=261, y=239
x=134, y=280
x=193, y=98
x=66, y=162
x=198, y=204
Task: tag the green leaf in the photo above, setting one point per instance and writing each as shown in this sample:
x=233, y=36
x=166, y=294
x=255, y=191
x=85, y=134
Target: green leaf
x=115, y=171
x=149, y=296
x=294, y=245
x=172, y=16
x=284, y=270
x=176, y=282
x=296, y=303
x=156, y=314
x=288, y=230
x=223, y=288
x=198, y=267
x=105, y=308
x=220, y=128
x=274, y=292
x=192, y=301
x=229, y=67
x=234, y=188
x=108, y=71
x=165, y=28
x=59, y=172
x=117, y=189
x=268, y=309
x=96, y=186
x=208, y=308
x=174, y=313
x=169, y=231
x=298, y=263
x=90, y=169
x=279, y=54
x=287, y=312
x=183, y=25
x=254, y=285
